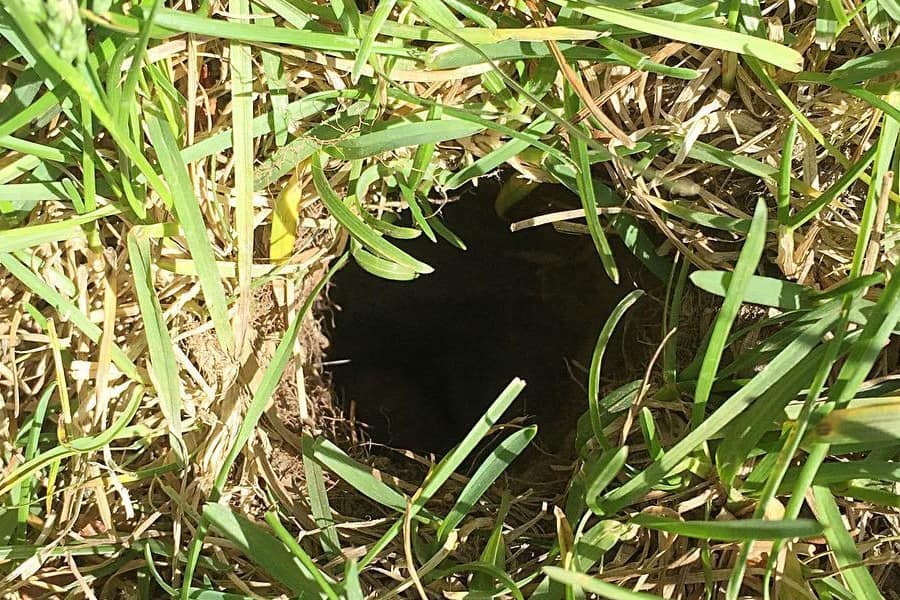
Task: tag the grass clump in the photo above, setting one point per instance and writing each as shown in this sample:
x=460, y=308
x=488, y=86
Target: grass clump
x=179, y=180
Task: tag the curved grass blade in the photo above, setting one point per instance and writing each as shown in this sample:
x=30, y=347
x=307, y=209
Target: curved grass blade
x=493, y=466
x=601, y=474
x=356, y=226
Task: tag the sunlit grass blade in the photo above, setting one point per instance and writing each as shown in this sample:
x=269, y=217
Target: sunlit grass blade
x=733, y=531
x=451, y=461
x=730, y=41
x=592, y=585
x=578, y=148
x=400, y=135
x=767, y=291
x=492, y=467
x=34, y=235
x=875, y=422
x=263, y=548
x=743, y=270
x=357, y=475
x=372, y=28
x=288, y=540
x=242, y=121
x=843, y=550
x=356, y=226
x=191, y=220
x=641, y=62
x=164, y=370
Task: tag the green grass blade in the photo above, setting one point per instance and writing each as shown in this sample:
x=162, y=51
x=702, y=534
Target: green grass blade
x=356, y=226
x=729, y=41
x=767, y=291
x=300, y=554
x=639, y=61
x=843, y=550
x=578, y=148
x=318, y=497
x=242, y=143
x=601, y=473
x=356, y=475
x=34, y=235
x=867, y=67
x=163, y=367
x=372, y=29
x=595, y=586
x=733, y=531
x=597, y=359
x=191, y=220
x=263, y=548
x=743, y=270
x=493, y=466
x=401, y=135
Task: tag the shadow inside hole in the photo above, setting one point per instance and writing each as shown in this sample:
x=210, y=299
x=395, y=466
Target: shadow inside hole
x=428, y=356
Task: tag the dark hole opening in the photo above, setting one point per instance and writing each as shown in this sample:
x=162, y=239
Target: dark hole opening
x=428, y=356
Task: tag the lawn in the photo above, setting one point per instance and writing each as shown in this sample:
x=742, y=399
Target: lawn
x=180, y=180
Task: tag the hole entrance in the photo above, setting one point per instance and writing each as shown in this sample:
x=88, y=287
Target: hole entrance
x=418, y=362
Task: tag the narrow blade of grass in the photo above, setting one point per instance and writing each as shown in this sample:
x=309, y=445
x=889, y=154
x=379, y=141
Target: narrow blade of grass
x=356, y=226
x=729, y=41
x=191, y=220
x=843, y=550
x=493, y=466
x=164, y=369
x=746, y=265
x=592, y=585
x=597, y=359
x=733, y=531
